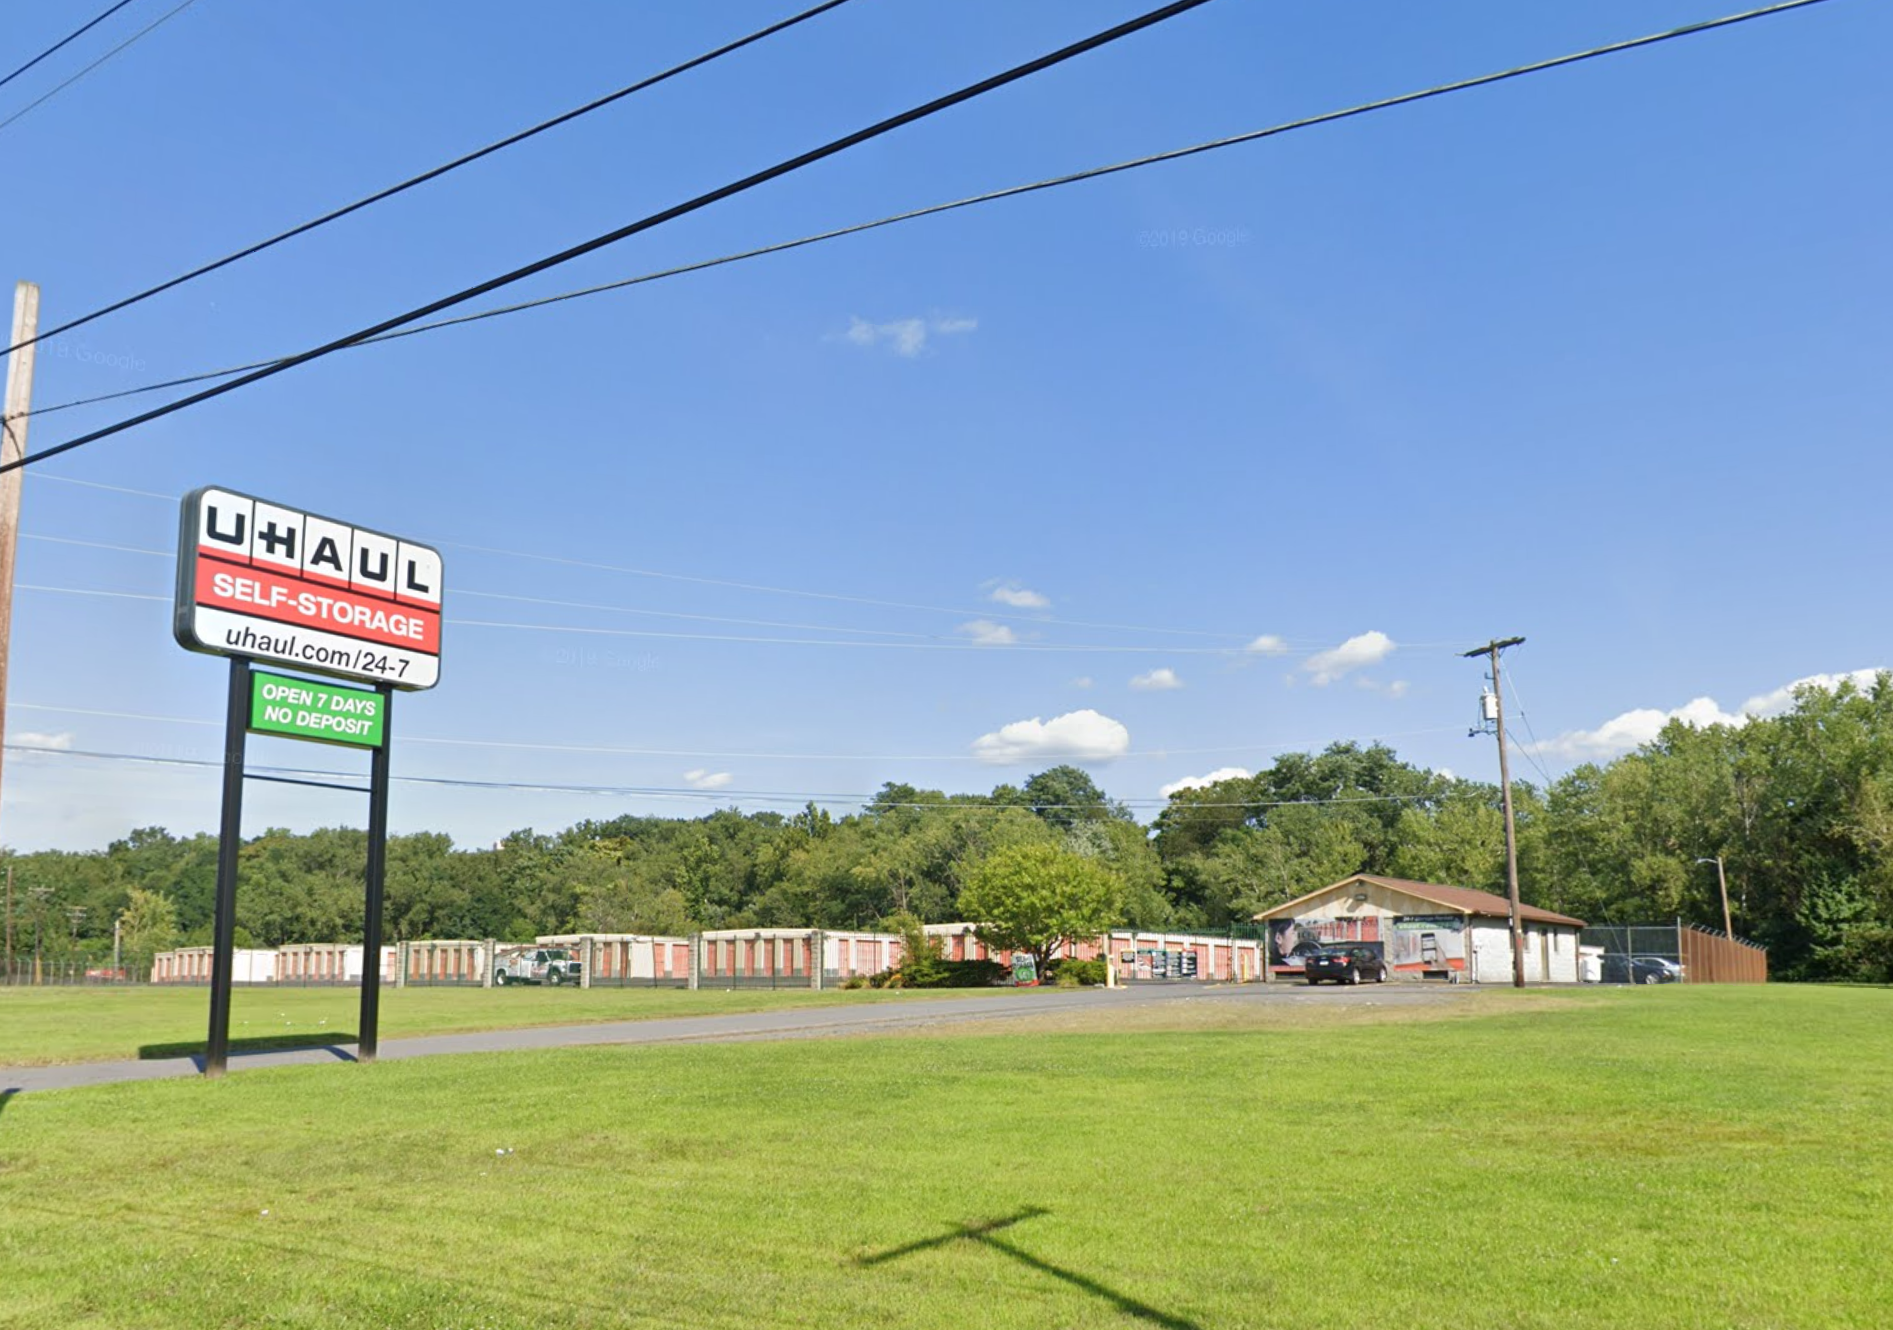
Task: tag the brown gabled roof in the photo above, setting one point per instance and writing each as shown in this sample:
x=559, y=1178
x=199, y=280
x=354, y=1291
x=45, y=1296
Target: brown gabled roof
x=1460, y=900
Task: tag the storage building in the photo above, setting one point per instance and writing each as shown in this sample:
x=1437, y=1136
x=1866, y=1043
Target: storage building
x=1423, y=930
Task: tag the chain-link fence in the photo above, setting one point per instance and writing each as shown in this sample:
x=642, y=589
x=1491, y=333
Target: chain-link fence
x=73, y=972
x=1673, y=953
x=1636, y=953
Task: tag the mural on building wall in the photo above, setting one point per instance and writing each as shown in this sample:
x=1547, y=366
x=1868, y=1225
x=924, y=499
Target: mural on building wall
x=1428, y=942
x=1291, y=940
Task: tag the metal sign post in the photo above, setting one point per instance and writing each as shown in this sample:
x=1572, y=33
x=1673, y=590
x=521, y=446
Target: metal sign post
x=368, y=1040
x=229, y=841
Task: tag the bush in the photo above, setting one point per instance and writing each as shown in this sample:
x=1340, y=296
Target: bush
x=966, y=974
x=855, y=981
x=922, y=965
x=930, y=971
x=1070, y=973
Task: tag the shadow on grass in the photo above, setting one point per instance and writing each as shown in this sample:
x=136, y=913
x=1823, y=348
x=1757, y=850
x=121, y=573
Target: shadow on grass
x=983, y=1232
x=7, y=1094
x=266, y=1043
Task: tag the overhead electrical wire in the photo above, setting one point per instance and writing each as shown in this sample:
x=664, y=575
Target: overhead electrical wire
x=646, y=223
x=610, y=750
x=1283, y=647
x=1529, y=754
x=61, y=87
x=521, y=136
x=932, y=642
x=1042, y=620
x=950, y=803
x=72, y=36
x=1011, y=191
x=926, y=642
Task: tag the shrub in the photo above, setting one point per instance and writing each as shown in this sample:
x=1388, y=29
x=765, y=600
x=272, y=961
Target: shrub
x=922, y=965
x=1070, y=973
x=968, y=974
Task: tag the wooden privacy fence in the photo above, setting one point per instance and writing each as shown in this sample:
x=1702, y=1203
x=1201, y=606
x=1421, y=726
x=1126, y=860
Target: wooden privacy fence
x=1715, y=958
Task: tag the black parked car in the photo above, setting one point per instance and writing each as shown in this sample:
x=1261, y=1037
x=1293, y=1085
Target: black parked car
x=1345, y=965
x=1620, y=969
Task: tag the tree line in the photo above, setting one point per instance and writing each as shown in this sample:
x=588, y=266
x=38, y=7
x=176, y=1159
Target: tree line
x=1799, y=807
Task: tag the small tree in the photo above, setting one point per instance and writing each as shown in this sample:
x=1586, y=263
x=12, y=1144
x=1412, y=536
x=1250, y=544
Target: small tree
x=1033, y=898
x=147, y=927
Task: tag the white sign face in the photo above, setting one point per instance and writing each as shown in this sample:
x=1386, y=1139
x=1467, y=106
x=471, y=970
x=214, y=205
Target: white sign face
x=278, y=584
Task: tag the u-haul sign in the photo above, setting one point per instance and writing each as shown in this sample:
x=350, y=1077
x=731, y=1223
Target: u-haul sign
x=278, y=584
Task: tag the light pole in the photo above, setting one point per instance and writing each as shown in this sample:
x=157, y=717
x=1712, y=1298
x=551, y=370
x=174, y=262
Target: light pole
x=1722, y=883
x=40, y=896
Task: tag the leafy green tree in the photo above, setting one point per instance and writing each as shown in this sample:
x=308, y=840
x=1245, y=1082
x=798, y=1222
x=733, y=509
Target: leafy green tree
x=1037, y=898
x=1066, y=795
x=1462, y=843
x=147, y=927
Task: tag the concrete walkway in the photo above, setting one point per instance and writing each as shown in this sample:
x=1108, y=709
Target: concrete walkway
x=905, y=1013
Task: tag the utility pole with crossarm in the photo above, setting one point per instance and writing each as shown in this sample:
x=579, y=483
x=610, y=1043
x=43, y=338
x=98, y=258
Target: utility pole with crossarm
x=1495, y=714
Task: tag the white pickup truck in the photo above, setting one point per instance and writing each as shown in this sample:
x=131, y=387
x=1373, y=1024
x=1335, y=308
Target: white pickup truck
x=536, y=965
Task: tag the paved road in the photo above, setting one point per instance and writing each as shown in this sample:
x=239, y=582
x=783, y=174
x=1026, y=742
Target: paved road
x=905, y=1013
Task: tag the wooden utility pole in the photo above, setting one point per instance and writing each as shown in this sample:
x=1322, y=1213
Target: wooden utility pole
x=1722, y=884
x=13, y=421
x=1491, y=650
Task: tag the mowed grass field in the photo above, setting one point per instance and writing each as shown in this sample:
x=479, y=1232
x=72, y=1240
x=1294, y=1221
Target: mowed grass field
x=42, y=1026
x=1675, y=1157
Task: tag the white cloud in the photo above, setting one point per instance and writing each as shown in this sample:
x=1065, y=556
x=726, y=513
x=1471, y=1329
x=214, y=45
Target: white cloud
x=1367, y=649
x=1773, y=704
x=1633, y=729
x=1397, y=689
x=905, y=337
x=1020, y=598
x=1267, y=645
x=1084, y=736
x=1160, y=680
x=989, y=634
x=1204, y=782
x=57, y=742
x=703, y=779
x=1082, y=681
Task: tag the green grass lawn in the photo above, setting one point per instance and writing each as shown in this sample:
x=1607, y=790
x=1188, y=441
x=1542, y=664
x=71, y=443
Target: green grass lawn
x=40, y=1026
x=1682, y=1157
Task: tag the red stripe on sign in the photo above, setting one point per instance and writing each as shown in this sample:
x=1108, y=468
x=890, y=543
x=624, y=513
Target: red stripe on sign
x=292, y=600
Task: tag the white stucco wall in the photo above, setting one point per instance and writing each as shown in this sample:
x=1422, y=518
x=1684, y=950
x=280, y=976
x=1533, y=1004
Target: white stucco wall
x=1492, y=953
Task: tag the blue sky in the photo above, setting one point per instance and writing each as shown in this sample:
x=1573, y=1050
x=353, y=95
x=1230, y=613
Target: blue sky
x=1164, y=473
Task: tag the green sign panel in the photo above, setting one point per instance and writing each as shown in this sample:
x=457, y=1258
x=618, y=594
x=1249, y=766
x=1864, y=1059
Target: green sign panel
x=304, y=709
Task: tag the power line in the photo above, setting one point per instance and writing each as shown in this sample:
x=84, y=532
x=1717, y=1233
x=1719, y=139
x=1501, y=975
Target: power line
x=782, y=168
x=948, y=803
x=976, y=613
x=438, y=171
x=1011, y=191
x=114, y=489
x=926, y=642
x=61, y=87
x=1290, y=647
x=63, y=41
x=609, y=750
x=929, y=642
x=836, y=596
x=1529, y=754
